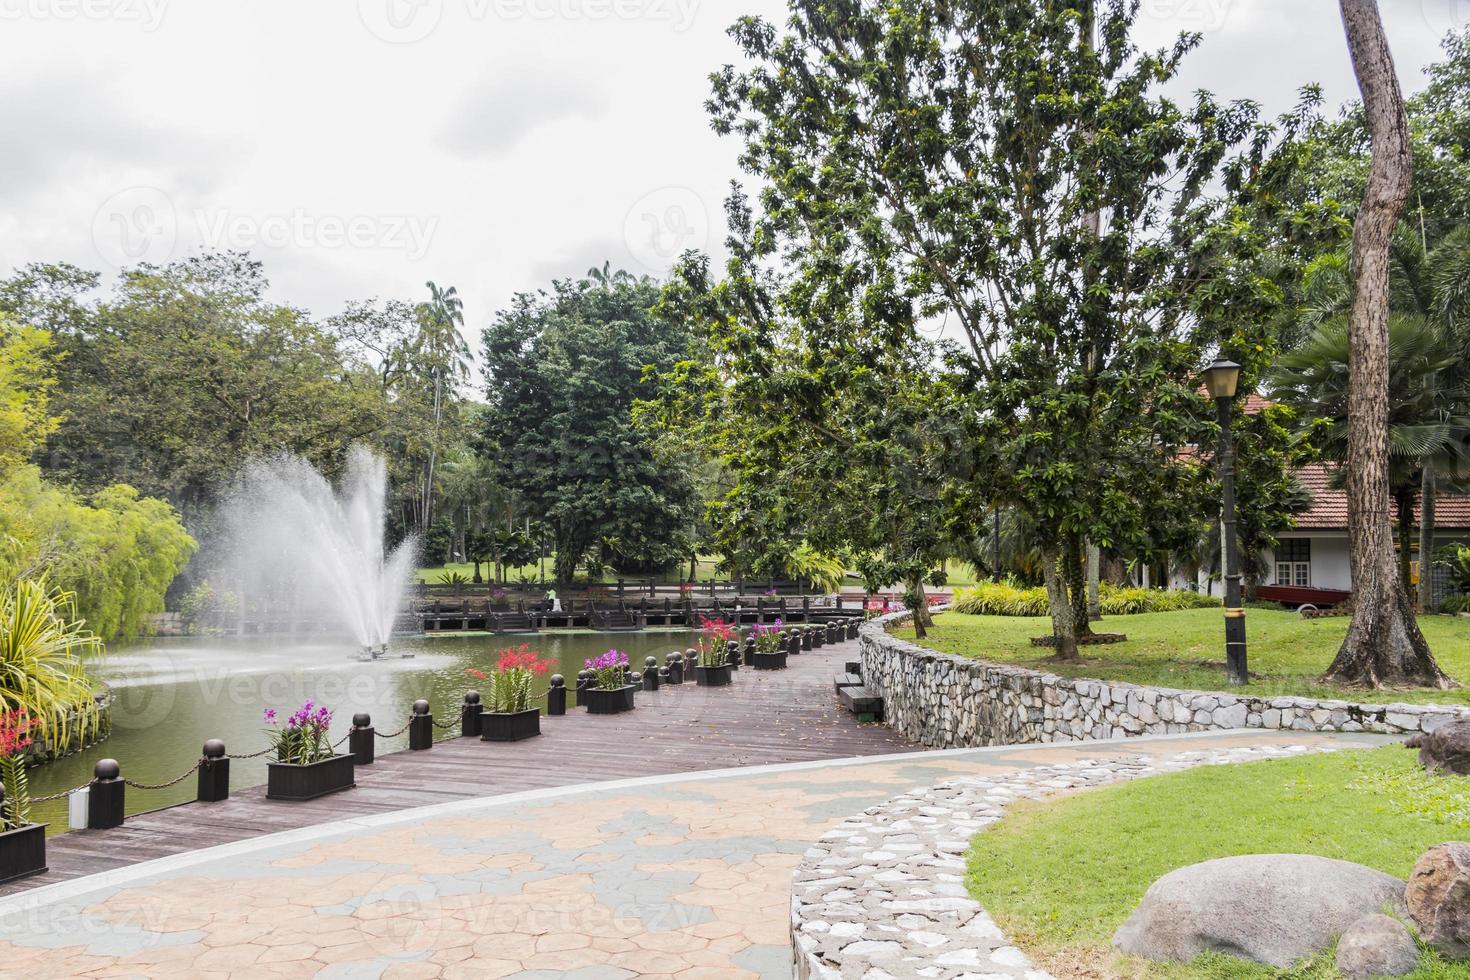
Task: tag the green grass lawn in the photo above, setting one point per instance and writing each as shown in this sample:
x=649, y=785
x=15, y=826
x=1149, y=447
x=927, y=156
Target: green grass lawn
x=1187, y=650
x=1060, y=877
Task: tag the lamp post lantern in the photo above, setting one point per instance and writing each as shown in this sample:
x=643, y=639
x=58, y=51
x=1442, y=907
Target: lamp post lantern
x=1222, y=378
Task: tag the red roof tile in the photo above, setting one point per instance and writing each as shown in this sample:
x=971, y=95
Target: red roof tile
x=1329, y=504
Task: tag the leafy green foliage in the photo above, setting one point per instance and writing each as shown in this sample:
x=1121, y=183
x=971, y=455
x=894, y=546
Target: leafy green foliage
x=27, y=380
x=16, y=812
x=115, y=551
x=563, y=372
x=1004, y=599
x=43, y=649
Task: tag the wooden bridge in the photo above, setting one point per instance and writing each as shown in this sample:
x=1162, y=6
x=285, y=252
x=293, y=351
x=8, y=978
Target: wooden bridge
x=491, y=615
x=764, y=717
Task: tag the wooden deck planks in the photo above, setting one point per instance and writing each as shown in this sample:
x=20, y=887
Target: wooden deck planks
x=763, y=718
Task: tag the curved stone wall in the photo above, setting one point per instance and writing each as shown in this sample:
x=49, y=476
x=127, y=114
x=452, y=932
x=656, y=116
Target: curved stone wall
x=946, y=701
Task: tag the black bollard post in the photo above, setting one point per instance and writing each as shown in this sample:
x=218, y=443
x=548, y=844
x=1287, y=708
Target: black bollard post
x=361, y=741
x=650, y=674
x=732, y=654
x=852, y=629
x=105, y=802
x=819, y=637
x=750, y=651
x=663, y=674
x=469, y=715
x=421, y=727
x=831, y=632
x=214, y=773
x=806, y=638
x=675, y=663
x=556, y=697
x=584, y=681
x=793, y=643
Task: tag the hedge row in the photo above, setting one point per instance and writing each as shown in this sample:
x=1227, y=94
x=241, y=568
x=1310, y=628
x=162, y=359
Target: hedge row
x=1002, y=599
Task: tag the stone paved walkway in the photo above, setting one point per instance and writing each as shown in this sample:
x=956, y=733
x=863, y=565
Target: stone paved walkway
x=684, y=876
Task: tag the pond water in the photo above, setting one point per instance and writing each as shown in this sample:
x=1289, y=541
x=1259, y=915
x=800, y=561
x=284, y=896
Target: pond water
x=173, y=694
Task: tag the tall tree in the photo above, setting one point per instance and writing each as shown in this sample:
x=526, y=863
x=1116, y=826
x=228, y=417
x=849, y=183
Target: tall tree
x=443, y=356
x=563, y=370
x=1384, y=644
x=960, y=153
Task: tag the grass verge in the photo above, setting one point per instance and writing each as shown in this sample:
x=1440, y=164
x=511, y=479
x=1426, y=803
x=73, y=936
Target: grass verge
x=1186, y=650
x=1060, y=877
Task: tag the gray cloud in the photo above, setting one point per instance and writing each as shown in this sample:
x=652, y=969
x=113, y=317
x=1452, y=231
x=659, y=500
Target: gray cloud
x=508, y=104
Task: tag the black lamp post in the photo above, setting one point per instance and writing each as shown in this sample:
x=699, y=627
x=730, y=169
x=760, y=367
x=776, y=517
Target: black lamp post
x=1221, y=378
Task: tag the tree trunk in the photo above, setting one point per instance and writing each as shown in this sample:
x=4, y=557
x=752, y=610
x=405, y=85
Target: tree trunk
x=1094, y=582
x=1074, y=579
x=1427, y=494
x=1383, y=644
x=919, y=605
x=1063, y=628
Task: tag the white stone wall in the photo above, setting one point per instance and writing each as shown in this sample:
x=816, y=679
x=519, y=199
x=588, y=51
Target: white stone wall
x=944, y=701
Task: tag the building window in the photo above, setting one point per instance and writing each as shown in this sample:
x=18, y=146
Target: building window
x=1294, y=562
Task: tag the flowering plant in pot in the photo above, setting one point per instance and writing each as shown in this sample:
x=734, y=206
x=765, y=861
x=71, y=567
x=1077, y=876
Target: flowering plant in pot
x=22, y=843
x=509, y=715
x=770, y=651
x=306, y=766
x=610, y=693
x=713, y=668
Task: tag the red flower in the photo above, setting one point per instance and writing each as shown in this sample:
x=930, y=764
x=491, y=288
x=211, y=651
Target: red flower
x=15, y=727
x=522, y=658
x=478, y=675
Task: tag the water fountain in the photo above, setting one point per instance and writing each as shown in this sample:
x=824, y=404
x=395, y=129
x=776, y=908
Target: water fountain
x=288, y=524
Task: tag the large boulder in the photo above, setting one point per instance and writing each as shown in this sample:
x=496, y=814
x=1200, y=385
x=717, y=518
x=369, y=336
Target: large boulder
x=1446, y=749
x=1438, y=897
x=1376, y=946
x=1275, y=909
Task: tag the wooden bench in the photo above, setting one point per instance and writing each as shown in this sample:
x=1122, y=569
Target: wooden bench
x=847, y=680
x=862, y=702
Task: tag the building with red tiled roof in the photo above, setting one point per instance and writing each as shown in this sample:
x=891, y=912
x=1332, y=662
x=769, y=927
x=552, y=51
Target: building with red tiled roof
x=1313, y=555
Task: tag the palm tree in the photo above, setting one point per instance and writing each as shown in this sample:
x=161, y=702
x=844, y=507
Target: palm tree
x=443, y=356
x=42, y=652
x=1428, y=407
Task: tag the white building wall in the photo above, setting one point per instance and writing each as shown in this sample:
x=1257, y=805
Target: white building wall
x=1330, y=567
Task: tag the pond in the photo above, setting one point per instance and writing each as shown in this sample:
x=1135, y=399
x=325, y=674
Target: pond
x=173, y=694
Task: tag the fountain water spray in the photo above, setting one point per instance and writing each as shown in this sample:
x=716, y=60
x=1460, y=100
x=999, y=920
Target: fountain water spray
x=289, y=527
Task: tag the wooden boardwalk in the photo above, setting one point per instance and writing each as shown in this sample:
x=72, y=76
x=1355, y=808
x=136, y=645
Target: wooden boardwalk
x=763, y=718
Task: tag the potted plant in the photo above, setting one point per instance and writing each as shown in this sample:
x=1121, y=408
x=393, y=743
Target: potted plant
x=509, y=715
x=713, y=669
x=305, y=766
x=770, y=652
x=22, y=843
x=610, y=693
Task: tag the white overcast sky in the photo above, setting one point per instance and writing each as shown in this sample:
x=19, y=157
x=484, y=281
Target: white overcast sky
x=362, y=147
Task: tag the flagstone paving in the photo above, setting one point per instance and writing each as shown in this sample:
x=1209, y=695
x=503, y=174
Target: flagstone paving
x=684, y=876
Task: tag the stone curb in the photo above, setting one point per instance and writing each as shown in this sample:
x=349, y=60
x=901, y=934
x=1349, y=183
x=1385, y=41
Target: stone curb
x=947, y=701
x=883, y=895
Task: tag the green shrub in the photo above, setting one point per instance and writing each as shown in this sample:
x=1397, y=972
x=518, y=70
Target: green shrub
x=1004, y=599
x=1455, y=604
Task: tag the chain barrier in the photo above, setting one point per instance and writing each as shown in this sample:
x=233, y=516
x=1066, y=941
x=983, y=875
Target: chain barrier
x=342, y=740
x=59, y=796
x=253, y=755
x=393, y=734
x=172, y=782
x=441, y=727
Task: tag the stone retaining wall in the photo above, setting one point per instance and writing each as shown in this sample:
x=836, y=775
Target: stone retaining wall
x=945, y=701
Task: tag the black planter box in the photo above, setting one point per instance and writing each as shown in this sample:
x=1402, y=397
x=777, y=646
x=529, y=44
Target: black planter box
x=23, y=852
x=712, y=676
x=610, y=702
x=290, y=782
x=768, y=661
x=510, y=727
